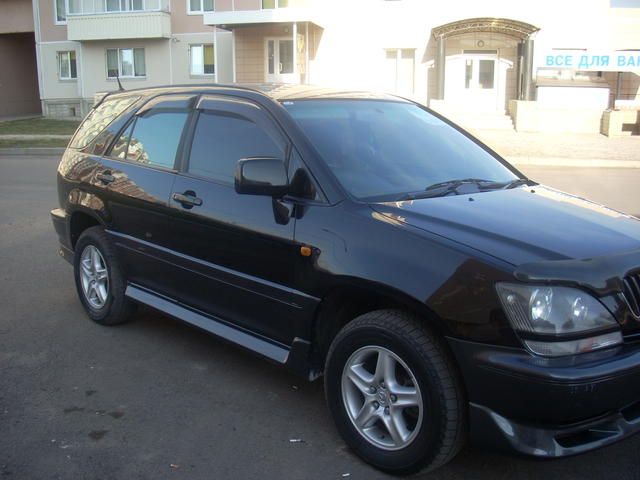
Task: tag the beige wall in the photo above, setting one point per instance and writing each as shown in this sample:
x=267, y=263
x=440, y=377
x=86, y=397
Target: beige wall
x=94, y=65
x=182, y=22
x=19, y=83
x=16, y=16
x=250, y=54
x=49, y=31
x=52, y=86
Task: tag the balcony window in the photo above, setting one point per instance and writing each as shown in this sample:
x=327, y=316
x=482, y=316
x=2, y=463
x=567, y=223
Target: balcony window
x=269, y=4
x=200, y=6
x=202, y=59
x=125, y=63
x=67, y=68
x=88, y=7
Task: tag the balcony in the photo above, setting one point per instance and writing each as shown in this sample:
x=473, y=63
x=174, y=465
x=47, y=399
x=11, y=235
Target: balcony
x=118, y=19
x=263, y=12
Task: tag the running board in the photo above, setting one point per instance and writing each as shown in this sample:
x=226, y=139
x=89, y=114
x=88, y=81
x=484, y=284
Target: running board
x=210, y=324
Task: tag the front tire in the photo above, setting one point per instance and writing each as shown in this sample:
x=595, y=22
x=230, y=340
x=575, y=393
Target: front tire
x=394, y=393
x=99, y=279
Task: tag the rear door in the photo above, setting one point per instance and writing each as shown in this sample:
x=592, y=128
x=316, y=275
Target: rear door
x=138, y=173
x=235, y=251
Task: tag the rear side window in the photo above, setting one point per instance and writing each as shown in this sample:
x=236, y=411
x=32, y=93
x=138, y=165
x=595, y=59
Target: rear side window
x=152, y=139
x=221, y=139
x=99, y=118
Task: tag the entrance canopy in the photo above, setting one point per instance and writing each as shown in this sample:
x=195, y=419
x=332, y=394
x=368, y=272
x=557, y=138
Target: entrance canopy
x=505, y=26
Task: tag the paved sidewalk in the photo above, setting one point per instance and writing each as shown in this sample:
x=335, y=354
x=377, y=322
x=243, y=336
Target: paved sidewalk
x=564, y=149
x=39, y=136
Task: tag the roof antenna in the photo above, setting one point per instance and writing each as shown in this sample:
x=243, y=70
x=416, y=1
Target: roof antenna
x=120, y=87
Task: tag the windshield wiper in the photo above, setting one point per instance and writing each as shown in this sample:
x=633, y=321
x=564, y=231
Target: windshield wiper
x=442, y=189
x=517, y=182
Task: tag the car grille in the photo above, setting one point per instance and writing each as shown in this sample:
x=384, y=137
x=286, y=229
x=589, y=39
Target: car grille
x=632, y=292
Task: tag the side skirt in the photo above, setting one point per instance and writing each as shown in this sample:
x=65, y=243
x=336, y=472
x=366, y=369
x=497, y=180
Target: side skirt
x=295, y=358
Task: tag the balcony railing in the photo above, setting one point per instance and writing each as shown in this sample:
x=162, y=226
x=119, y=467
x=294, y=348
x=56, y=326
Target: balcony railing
x=92, y=7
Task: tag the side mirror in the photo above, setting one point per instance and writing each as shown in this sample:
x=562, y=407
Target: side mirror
x=262, y=176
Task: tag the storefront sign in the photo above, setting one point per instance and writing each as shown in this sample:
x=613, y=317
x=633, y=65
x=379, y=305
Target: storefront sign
x=612, y=61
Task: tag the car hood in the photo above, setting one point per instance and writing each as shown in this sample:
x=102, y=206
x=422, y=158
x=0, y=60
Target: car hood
x=522, y=225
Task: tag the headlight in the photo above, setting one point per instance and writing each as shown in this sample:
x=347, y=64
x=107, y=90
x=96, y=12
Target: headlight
x=554, y=321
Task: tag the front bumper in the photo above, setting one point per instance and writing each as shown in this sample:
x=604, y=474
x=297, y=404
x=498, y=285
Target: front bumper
x=550, y=407
x=61, y=225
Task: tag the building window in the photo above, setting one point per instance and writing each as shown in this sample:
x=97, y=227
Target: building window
x=67, y=68
x=125, y=62
x=202, y=59
x=399, y=70
x=269, y=4
x=200, y=6
x=61, y=11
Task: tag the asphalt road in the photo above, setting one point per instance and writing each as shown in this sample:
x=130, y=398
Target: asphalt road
x=157, y=399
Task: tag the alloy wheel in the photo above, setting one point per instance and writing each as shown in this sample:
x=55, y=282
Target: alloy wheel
x=382, y=397
x=94, y=277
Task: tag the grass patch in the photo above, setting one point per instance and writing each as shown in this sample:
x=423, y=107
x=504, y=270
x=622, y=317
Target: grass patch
x=43, y=142
x=36, y=126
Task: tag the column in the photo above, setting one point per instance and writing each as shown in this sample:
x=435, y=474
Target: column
x=527, y=69
x=296, y=73
x=440, y=66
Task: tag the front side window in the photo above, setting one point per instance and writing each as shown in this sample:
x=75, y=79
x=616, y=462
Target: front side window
x=202, y=59
x=125, y=63
x=67, y=68
x=384, y=150
x=221, y=139
x=153, y=139
x=200, y=6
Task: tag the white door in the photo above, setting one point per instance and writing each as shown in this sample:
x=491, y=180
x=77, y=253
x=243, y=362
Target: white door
x=279, y=60
x=481, y=81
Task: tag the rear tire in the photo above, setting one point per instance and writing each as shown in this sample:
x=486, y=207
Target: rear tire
x=99, y=279
x=394, y=393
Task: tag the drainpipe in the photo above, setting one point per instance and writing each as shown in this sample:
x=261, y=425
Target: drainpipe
x=440, y=65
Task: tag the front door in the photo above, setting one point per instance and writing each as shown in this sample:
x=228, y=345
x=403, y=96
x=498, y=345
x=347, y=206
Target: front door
x=475, y=81
x=236, y=252
x=279, y=60
x=481, y=80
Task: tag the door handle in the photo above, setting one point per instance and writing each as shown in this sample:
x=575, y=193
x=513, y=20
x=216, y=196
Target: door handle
x=106, y=177
x=280, y=67
x=188, y=199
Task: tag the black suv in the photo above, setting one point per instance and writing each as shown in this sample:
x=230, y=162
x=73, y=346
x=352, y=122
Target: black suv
x=442, y=294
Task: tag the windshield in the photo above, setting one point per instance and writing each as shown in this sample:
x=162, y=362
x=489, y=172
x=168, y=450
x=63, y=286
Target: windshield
x=384, y=150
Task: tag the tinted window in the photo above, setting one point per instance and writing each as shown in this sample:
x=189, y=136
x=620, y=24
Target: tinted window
x=386, y=148
x=153, y=139
x=221, y=139
x=99, y=118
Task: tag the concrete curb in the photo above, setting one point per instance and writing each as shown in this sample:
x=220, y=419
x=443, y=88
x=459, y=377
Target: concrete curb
x=572, y=162
x=32, y=151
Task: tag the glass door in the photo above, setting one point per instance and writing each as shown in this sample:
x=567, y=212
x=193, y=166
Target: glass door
x=279, y=60
x=481, y=80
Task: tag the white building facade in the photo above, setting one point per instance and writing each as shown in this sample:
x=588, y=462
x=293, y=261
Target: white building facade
x=548, y=64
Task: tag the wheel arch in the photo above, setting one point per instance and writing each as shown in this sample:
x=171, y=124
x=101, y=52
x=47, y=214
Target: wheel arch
x=345, y=302
x=79, y=220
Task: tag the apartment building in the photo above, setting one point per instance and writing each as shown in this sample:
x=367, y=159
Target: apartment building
x=18, y=73
x=86, y=46
x=548, y=64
